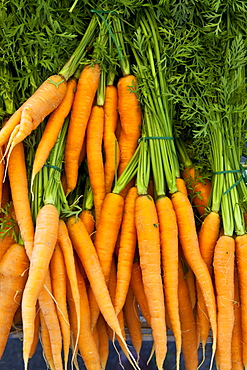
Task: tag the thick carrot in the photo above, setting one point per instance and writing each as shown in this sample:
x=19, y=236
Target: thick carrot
x=13, y=274
x=190, y=245
x=86, y=88
x=20, y=195
x=130, y=117
x=127, y=247
x=181, y=185
x=88, y=256
x=94, y=137
x=111, y=148
x=52, y=128
x=224, y=255
x=46, y=235
x=48, y=308
x=188, y=325
x=58, y=283
x=148, y=236
x=27, y=118
x=241, y=258
x=169, y=251
x=237, y=344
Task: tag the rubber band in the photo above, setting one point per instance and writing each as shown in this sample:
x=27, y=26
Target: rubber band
x=242, y=171
x=155, y=138
x=54, y=167
x=102, y=11
x=228, y=171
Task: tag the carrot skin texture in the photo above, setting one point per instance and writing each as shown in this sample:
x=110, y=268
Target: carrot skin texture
x=241, y=258
x=224, y=282
x=13, y=274
x=94, y=138
x=53, y=127
x=128, y=239
x=86, y=89
x=169, y=251
x=190, y=245
x=46, y=343
x=20, y=195
x=148, y=237
x=181, y=186
x=237, y=343
x=46, y=235
x=88, y=219
x=44, y=100
x=111, y=148
x=103, y=341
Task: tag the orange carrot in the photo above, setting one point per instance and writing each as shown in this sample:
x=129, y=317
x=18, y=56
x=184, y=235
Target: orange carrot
x=127, y=248
x=46, y=343
x=148, y=237
x=241, y=258
x=13, y=274
x=169, y=250
x=237, y=358
x=103, y=341
x=111, y=148
x=224, y=283
x=181, y=185
x=27, y=118
x=53, y=127
x=86, y=88
x=94, y=137
x=46, y=235
x=88, y=219
x=190, y=245
x=36, y=332
x=130, y=117
x=58, y=283
x=1, y=176
x=188, y=325
x=20, y=195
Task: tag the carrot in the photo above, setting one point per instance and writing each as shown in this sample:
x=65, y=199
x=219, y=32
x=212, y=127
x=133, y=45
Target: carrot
x=127, y=248
x=49, y=311
x=46, y=235
x=36, y=332
x=136, y=284
x=52, y=128
x=188, y=325
x=181, y=185
x=58, y=283
x=224, y=283
x=148, y=237
x=13, y=274
x=190, y=245
x=237, y=359
x=94, y=137
x=20, y=195
x=169, y=250
x=103, y=341
x=88, y=219
x=88, y=256
x=46, y=343
x=111, y=148
x=1, y=176
x=130, y=118
x=241, y=258
x=133, y=321
x=6, y=235
x=86, y=88
x=27, y=118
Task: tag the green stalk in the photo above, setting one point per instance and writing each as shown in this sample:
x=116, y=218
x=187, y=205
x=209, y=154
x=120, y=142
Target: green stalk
x=119, y=31
x=88, y=196
x=143, y=170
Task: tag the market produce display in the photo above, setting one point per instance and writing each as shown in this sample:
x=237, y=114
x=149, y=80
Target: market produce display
x=122, y=183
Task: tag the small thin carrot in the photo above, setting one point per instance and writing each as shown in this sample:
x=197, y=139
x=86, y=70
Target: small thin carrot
x=13, y=274
x=148, y=236
x=94, y=137
x=36, y=332
x=46, y=343
x=237, y=343
x=103, y=341
x=52, y=128
x=111, y=148
x=86, y=89
x=224, y=256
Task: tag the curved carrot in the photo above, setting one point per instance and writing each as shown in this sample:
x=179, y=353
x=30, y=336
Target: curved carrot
x=241, y=258
x=169, y=251
x=86, y=88
x=148, y=237
x=52, y=128
x=46, y=235
x=94, y=137
x=224, y=256
x=128, y=239
x=27, y=118
x=111, y=148
x=20, y=195
x=13, y=274
x=190, y=245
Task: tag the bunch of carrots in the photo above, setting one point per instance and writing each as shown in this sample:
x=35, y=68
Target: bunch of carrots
x=106, y=219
